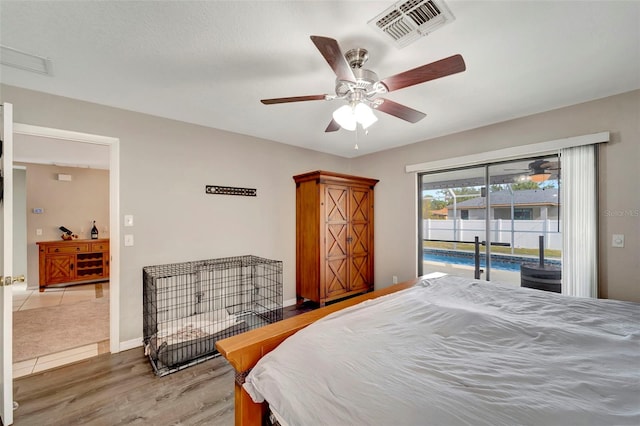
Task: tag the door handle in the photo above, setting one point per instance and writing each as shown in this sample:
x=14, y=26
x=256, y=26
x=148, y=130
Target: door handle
x=7, y=281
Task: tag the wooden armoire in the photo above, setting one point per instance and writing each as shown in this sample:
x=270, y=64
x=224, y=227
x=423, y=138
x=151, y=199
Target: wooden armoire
x=334, y=236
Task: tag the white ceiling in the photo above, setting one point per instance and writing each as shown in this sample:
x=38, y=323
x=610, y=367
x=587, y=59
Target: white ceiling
x=210, y=62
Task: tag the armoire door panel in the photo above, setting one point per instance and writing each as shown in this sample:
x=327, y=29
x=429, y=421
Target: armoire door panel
x=336, y=204
x=336, y=276
x=359, y=205
x=359, y=238
x=359, y=273
x=336, y=240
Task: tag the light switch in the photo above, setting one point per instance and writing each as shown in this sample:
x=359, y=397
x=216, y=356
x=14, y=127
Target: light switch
x=617, y=240
x=128, y=240
x=128, y=220
x=39, y=231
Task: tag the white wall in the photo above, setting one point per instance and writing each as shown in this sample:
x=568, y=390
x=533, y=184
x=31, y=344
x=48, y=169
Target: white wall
x=396, y=194
x=164, y=167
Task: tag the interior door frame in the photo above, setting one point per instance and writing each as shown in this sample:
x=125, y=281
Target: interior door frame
x=6, y=333
x=114, y=211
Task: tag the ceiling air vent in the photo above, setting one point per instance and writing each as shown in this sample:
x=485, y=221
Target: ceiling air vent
x=25, y=61
x=406, y=21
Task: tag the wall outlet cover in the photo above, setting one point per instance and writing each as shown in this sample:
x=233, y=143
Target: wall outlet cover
x=617, y=240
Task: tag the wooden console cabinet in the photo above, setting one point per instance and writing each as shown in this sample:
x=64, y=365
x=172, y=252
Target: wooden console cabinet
x=73, y=261
x=334, y=236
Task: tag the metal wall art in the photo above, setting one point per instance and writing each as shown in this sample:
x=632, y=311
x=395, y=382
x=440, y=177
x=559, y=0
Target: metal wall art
x=230, y=190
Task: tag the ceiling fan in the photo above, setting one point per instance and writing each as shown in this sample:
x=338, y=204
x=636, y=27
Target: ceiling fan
x=540, y=170
x=361, y=87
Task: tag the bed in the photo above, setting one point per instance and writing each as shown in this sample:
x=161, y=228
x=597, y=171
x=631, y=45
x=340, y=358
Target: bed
x=444, y=350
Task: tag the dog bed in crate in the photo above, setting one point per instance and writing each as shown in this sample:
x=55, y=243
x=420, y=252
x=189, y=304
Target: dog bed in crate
x=190, y=338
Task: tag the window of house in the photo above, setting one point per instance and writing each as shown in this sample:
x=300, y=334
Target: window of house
x=520, y=213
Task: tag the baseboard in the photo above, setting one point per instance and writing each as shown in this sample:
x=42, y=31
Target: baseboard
x=289, y=302
x=131, y=344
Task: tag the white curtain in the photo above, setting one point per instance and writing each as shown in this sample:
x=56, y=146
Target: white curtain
x=579, y=221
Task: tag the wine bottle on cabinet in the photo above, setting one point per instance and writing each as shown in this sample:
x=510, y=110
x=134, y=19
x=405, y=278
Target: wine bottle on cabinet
x=94, y=231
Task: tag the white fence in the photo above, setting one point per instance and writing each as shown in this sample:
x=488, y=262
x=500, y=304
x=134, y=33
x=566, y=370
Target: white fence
x=525, y=232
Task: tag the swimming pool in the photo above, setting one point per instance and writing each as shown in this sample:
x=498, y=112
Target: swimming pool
x=502, y=262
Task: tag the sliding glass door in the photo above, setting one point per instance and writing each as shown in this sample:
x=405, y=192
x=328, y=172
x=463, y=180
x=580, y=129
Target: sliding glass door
x=452, y=218
x=486, y=222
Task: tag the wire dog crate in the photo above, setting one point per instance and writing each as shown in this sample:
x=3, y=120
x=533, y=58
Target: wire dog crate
x=189, y=306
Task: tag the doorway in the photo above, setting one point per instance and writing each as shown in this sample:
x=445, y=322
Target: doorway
x=77, y=142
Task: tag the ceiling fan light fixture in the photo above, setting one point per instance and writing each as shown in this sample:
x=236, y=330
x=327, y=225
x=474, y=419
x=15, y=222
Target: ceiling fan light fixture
x=345, y=117
x=348, y=116
x=364, y=115
x=540, y=177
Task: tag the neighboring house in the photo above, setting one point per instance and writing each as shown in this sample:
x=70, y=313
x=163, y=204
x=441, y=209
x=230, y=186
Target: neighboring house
x=443, y=213
x=528, y=204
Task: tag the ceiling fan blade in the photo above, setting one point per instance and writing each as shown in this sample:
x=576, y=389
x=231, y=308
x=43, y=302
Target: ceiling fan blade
x=329, y=48
x=398, y=110
x=442, y=68
x=550, y=165
x=293, y=99
x=333, y=126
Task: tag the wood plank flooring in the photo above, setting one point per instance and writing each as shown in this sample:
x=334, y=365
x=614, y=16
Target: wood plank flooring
x=121, y=389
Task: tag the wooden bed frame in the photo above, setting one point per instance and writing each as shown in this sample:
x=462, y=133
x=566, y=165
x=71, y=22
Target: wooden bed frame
x=244, y=350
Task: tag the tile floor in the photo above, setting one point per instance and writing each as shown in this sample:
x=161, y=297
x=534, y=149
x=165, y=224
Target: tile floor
x=24, y=298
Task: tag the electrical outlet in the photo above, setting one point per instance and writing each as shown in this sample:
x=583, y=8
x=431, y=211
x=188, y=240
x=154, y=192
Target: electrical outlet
x=617, y=240
x=394, y=279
